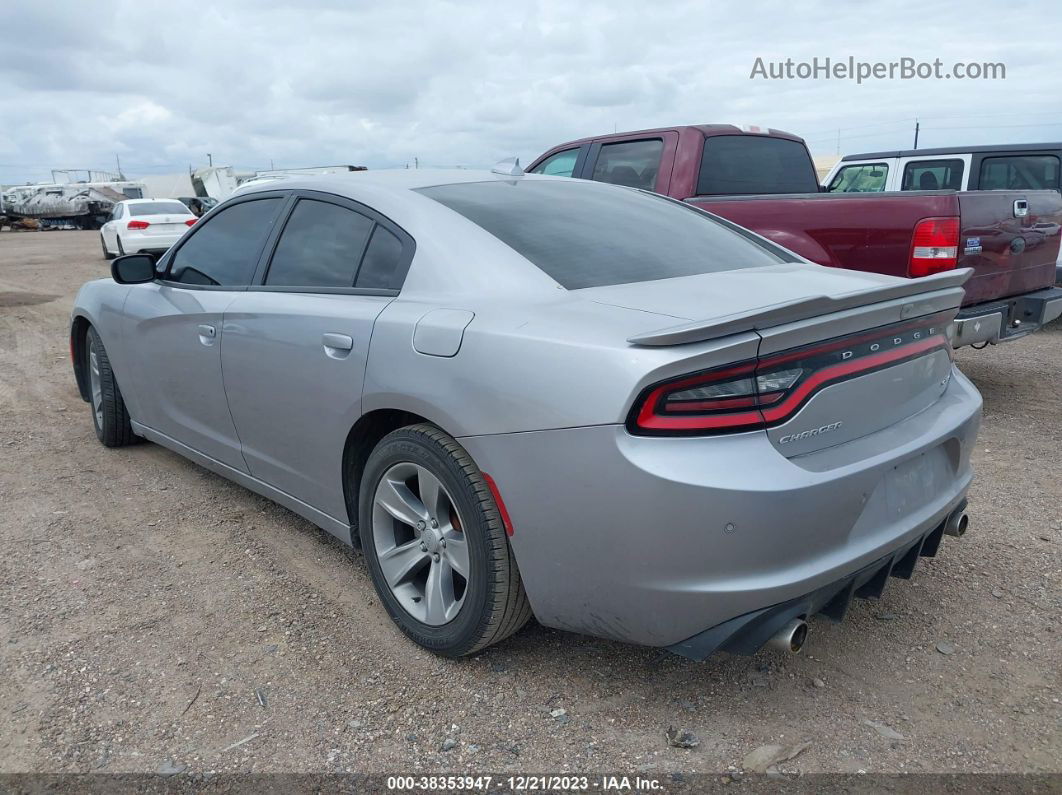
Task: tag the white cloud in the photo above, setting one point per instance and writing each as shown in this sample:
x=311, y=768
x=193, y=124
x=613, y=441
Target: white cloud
x=161, y=84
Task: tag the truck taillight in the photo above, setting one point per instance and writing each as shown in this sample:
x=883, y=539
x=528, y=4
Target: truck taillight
x=935, y=246
x=137, y=225
x=764, y=392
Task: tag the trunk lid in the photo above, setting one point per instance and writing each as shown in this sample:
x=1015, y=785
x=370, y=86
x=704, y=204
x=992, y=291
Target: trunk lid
x=842, y=354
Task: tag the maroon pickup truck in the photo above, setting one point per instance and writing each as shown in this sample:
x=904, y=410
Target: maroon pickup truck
x=765, y=181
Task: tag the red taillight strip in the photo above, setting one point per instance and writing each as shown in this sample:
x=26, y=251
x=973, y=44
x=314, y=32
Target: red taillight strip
x=828, y=375
x=502, y=510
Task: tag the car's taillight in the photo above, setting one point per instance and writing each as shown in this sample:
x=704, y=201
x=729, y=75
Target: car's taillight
x=935, y=246
x=190, y=222
x=137, y=225
x=762, y=393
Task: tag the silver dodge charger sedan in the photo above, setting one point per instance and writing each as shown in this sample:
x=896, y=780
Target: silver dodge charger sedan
x=525, y=395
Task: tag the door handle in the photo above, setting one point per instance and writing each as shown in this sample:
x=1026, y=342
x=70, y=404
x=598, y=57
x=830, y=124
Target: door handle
x=337, y=342
x=1021, y=208
x=207, y=331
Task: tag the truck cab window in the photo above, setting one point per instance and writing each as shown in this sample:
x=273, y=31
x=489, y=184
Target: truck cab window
x=561, y=164
x=863, y=178
x=630, y=163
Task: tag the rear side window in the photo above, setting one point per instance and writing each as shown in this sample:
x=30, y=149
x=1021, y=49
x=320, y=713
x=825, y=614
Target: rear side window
x=734, y=165
x=321, y=246
x=630, y=163
x=932, y=175
x=586, y=235
x=223, y=252
x=157, y=208
x=864, y=178
x=1020, y=172
x=561, y=164
x=382, y=258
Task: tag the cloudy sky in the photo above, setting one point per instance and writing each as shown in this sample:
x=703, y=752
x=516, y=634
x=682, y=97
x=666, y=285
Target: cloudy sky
x=161, y=84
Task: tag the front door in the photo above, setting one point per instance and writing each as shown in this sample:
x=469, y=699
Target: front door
x=175, y=327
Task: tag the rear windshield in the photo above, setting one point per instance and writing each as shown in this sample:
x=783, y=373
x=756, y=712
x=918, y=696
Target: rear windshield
x=587, y=235
x=733, y=165
x=157, y=208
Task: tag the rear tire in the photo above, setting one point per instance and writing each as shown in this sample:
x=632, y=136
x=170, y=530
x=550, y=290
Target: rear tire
x=109, y=415
x=121, y=251
x=491, y=604
x=103, y=244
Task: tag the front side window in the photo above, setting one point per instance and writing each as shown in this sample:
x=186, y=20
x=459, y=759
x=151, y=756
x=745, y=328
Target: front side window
x=320, y=246
x=734, y=165
x=561, y=164
x=1020, y=172
x=864, y=178
x=932, y=175
x=224, y=251
x=586, y=235
x=630, y=163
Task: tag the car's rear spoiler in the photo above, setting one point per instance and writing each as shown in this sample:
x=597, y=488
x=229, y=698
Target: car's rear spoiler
x=800, y=309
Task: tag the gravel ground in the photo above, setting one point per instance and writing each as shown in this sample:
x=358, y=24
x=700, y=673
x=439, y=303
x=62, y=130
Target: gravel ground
x=155, y=617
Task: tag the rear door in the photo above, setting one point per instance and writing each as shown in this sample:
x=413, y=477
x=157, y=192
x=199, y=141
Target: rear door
x=295, y=344
x=175, y=327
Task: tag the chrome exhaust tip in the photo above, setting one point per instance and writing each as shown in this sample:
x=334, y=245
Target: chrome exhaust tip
x=791, y=637
x=957, y=524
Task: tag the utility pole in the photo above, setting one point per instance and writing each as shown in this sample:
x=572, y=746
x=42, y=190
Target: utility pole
x=838, y=141
x=210, y=159
x=118, y=163
x=416, y=163
x=916, y=135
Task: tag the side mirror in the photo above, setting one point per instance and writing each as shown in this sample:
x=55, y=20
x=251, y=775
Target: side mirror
x=133, y=269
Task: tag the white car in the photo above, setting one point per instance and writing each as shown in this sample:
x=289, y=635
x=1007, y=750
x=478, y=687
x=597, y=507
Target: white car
x=144, y=226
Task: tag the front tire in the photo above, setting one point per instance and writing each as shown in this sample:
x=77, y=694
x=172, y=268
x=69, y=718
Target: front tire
x=436, y=545
x=109, y=415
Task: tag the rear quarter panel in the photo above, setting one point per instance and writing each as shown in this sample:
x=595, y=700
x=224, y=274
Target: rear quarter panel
x=865, y=232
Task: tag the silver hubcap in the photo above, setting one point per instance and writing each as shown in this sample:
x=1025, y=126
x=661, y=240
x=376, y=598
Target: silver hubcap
x=420, y=543
x=94, y=382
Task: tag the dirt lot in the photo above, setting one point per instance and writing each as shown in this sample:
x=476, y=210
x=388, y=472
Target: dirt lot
x=154, y=617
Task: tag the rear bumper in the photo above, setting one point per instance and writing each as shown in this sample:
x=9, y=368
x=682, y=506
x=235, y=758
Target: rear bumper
x=1011, y=318
x=134, y=243
x=747, y=633
x=653, y=540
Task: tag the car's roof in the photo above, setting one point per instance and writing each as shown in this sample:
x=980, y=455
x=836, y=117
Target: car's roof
x=354, y=183
x=146, y=201
x=953, y=150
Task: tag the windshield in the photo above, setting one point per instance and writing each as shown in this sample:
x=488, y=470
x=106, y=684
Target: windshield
x=584, y=234
x=157, y=208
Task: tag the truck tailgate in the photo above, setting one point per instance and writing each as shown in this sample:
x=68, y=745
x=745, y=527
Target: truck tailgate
x=1010, y=253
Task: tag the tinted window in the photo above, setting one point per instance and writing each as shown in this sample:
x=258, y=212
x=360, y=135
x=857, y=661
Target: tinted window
x=561, y=164
x=743, y=164
x=932, y=175
x=1020, y=172
x=157, y=208
x=584, y=235
x=319, y=247
x=631, y=163
x=866, y=178
x=224, y=250
x=381, y=258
